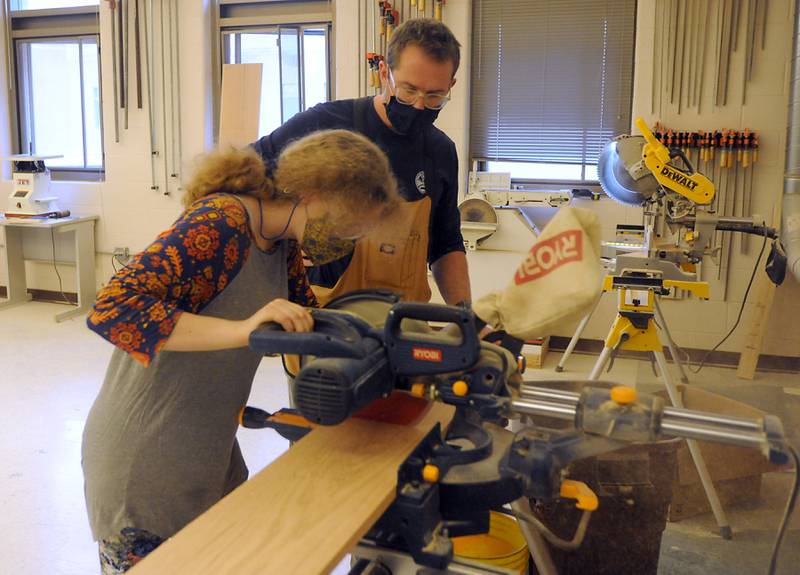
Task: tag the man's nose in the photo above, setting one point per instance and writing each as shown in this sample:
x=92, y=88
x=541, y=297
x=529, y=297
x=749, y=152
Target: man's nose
x=419, y=103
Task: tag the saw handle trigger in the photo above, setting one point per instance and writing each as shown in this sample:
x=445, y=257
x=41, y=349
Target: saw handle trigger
x=335, y=334
x=653, y=145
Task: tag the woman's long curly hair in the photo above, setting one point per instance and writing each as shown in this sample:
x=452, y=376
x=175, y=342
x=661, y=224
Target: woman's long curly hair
x=337, y=165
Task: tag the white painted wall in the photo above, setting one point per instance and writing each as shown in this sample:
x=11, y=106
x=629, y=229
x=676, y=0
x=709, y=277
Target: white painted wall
x=694, y=323
x=131, y=214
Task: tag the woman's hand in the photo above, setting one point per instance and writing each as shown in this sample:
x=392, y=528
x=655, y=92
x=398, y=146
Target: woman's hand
x=290, y=316
x=204, y=333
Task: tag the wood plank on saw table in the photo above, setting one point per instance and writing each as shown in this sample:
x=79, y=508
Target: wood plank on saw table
x=306, y=510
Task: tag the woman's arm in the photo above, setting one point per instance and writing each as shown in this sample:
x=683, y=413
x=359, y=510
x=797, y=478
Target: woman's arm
x=202, y=333
x=178, y=274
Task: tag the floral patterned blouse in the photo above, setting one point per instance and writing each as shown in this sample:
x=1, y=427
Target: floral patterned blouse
x=183, y=270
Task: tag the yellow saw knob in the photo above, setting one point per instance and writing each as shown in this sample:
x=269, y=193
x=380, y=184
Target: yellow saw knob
x=418, y=390
x=460, y=388
x=430, y=473
x=623, y=395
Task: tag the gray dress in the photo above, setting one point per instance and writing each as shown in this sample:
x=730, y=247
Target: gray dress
x=159, y=446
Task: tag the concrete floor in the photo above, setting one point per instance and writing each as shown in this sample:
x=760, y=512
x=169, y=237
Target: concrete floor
x=51, y=373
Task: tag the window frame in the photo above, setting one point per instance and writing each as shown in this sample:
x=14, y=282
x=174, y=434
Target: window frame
x=276, y=28
x=248, y=15
x=482, y=163
x=69, y=25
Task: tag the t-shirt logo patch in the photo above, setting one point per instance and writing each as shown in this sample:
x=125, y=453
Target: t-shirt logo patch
x=550, y=254
x=419, y=180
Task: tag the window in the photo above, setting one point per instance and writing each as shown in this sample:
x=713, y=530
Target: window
x=292, y=42
x=552, y=81
x=46, y=4
x=58, y=85
x=295, y=68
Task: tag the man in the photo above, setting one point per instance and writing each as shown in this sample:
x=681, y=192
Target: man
x=421, y=62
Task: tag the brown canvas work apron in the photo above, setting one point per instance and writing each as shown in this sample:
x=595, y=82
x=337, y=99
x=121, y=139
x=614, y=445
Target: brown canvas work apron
x=393, y=256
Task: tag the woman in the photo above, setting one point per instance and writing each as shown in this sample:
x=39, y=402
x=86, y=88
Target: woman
x=159, y=446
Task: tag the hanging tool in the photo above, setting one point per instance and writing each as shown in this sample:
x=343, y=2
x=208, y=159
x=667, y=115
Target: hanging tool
x=125, y=9
x=171, y=44
x=373, y=62
x=6, y=17
x=703, y=59
x=163, y=23
x=177, y=144
x=386, y=8
x=392, y=21
x=692, y=52
x=747, y=143
x=658, y=34
x=679, y=39
x=112, y=4
x=122, y=47
x=138, y=49
x=149, y=58
x=438, y=10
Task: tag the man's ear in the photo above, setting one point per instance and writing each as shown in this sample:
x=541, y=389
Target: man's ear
x=383, y=73
x=453, y=82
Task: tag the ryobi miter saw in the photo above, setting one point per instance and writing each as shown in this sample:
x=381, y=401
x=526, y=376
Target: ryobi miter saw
x=371, y=352
x=679, y=218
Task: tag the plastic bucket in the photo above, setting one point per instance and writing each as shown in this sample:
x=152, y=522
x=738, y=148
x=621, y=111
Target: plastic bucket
x=503, y=546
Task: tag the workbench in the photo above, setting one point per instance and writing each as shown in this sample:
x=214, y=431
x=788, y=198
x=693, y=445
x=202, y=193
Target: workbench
x=82, y=229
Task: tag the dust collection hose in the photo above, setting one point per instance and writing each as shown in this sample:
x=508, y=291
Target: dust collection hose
x=646, y=418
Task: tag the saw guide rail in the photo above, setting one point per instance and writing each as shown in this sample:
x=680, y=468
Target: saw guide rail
x=455, y=475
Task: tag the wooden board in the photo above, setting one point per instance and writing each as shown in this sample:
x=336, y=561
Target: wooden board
x=240, y=105
x=306, y=510
x=748, y=360
x=765, y=294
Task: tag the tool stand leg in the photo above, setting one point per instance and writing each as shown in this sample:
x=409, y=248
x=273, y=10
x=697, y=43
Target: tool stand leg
x=697, y=456
x=576, y=336
x=600, y=364
x=540, y=552
x=673, y=350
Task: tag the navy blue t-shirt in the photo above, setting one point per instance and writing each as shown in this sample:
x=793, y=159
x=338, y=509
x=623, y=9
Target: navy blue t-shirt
x=424, y=164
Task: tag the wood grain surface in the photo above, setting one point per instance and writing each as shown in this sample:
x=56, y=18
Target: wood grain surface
x=303, y=512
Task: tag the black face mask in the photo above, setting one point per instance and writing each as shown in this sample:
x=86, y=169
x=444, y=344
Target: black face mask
x=408, y=120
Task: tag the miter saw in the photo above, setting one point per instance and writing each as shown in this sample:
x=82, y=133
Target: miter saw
x=679, y=218
x=371, y=355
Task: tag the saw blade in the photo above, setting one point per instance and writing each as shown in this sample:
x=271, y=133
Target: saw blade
x=621, y=173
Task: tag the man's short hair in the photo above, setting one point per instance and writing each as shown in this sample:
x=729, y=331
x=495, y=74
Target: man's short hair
x=435, y=39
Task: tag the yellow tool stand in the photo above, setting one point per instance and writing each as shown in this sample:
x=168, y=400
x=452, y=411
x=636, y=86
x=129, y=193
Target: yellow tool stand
x=639, y=317
x=636, y=328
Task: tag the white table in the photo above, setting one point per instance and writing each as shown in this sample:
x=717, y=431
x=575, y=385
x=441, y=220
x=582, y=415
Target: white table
x=82, y=229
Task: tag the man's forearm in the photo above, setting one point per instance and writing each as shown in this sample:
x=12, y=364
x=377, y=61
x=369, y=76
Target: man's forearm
x=452, y=277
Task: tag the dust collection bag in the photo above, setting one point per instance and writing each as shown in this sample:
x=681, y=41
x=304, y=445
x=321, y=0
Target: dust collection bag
x=557, y=283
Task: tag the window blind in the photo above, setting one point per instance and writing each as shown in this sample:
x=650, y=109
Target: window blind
x=552, y=80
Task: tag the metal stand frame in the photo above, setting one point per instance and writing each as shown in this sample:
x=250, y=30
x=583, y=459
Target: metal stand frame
x=662, y=324
x=635, y=328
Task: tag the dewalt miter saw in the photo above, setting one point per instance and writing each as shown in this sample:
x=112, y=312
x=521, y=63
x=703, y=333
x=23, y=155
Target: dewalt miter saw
x=679, y=217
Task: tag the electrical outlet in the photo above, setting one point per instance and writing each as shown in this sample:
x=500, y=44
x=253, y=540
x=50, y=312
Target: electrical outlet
x=122, y=255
